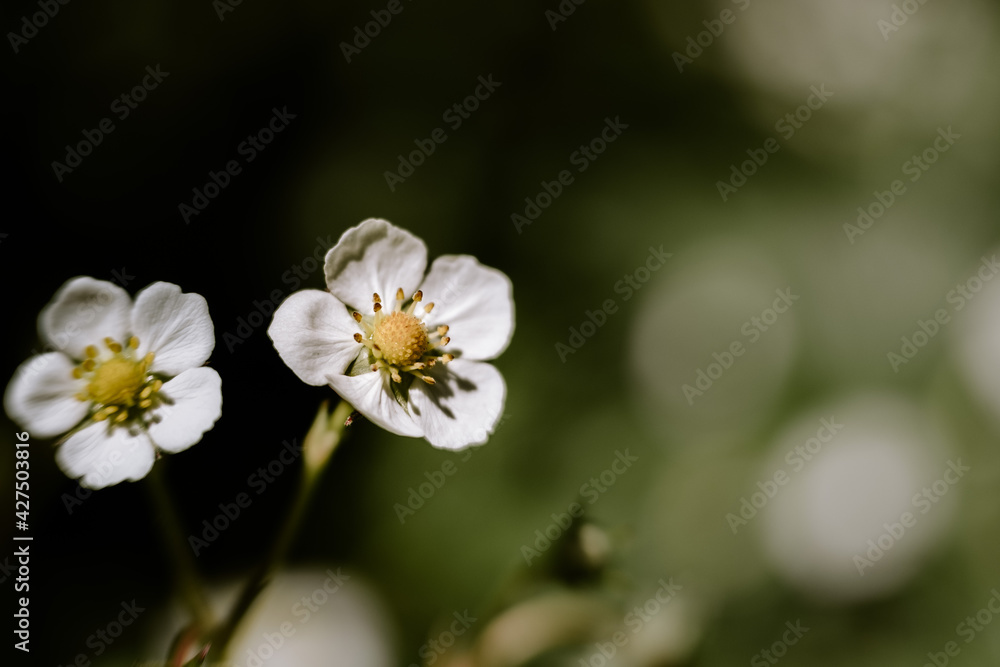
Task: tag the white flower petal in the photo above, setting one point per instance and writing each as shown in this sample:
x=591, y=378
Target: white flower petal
x=84, y=312
x=370, y=395
x=103, y=455
x=475, y=301
x=463, y=407
x=173, y=325
x=313, y=333
x=42, y=395
x=195, y=405
x=375, y=257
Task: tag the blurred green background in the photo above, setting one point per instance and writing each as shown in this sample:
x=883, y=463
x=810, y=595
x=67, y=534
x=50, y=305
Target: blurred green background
x=805, y=110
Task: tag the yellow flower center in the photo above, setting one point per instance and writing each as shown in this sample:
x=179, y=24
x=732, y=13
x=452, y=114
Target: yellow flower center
x=398, y=341
x=401, y=337
x=118, y=383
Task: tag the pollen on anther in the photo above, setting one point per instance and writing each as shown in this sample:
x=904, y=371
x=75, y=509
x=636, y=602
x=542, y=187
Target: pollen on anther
x=377, y=307
x=357, y=316
x=400, y=296
x=418, y=296
x=357, y=338
x=442, y=330
x=376, y=298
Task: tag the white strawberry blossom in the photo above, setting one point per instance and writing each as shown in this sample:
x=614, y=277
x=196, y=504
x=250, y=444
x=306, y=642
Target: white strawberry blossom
x=407, y=350
x=124, y=381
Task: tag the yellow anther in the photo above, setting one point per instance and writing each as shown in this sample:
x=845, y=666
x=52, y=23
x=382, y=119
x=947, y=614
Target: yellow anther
x=88, y=365
x=357, y=338
x=442, y=330
x=357, y=316
x=146, y=391
x=418, y=296
x=106, y=412
x=77, y=372
x=90, y=351
x=445, y=358
x=428, y=379
x=400, y=296
x=133, y=343
x=113, y=346
x=122, y=416
x=157, y=384
x=376, y=298
x=429, y=307
x=377, y=307
x=145, y=403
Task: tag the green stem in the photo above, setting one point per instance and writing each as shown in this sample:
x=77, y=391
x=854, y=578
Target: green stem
x=319, y=444
x=181, y=557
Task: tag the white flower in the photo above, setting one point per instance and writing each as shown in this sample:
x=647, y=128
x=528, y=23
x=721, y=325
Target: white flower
x=125, y=380
x=390, y=363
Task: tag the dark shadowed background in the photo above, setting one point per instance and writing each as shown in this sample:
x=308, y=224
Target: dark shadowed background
x=843, y=155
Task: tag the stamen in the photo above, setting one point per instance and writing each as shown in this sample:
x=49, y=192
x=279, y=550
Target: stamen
x=157, y=384
x=427, y=378
x=419, y=296
x=146, y=391
x=113, y=346
x=395, y=374
x=357, y=316
x=378, y=306
x=90, y=351
x=400, y=296
x=88, y=365
x=77, y=372
x=357, y=338
x=445, y=358
x=133, y=343
x=442, y=330
x=429, y=307
x=145, y=403
x=106, y=412
x=122, y=416
x=376, y=298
